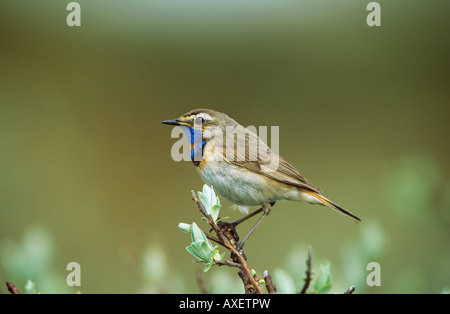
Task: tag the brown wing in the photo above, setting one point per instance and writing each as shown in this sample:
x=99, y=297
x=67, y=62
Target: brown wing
x=253, y=154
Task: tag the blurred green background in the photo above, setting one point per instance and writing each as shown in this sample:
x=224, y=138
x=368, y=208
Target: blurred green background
x=85, y=165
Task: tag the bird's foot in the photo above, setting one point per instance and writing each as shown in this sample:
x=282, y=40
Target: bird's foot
x=231, y=227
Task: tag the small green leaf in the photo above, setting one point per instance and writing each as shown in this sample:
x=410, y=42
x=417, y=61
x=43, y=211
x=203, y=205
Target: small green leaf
x=193, y=251
x=325, y=288
x=207, y=267
x=221, y=256
x=202, y=250
x=30, y=288
x=210, y=201
x=222, y=218
x=215, y=211
x=197, y=234
x=185, y=227
x=322, y=281
x=215, y=255
x=283, y=281
x=205, y=202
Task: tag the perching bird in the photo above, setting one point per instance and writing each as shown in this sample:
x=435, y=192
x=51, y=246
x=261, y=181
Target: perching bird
x=241, y=167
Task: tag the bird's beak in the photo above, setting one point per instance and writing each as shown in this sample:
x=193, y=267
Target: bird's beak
x=171, y=122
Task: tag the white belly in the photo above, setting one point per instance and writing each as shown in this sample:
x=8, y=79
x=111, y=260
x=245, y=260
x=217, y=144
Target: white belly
x=244, y=187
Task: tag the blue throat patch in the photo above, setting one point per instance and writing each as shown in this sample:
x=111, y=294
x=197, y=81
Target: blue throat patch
x=196, y=140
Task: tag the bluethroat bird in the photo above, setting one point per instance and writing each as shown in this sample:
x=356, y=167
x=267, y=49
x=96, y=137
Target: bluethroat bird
x=241, y=167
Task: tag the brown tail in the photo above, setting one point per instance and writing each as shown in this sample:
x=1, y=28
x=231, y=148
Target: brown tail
x=334, y=206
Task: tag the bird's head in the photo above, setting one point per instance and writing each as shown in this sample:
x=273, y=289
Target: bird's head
x=206, y=121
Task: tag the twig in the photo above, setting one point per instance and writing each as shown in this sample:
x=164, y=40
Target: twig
x=228, y=263
x=200, y=282
x=12, y=288
x=214, y=239
x=350, y=290
x=269, y=284
x=251, y=285
x=308, y=272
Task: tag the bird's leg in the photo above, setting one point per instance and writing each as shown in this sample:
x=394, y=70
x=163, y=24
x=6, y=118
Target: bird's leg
x=266, y=211
x=232, y=225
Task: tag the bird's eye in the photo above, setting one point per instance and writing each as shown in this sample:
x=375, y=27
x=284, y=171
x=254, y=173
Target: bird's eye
x=199, y=120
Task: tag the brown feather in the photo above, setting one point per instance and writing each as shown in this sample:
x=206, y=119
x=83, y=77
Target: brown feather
x=252, y=153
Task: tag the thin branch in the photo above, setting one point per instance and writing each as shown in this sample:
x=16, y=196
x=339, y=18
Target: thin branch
x=251, y=285
x=308, y=272
x=269, y=284
x=228, y=263
x=12, y=288
x=214, y=239
x=200, y=282
x=350, y=290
